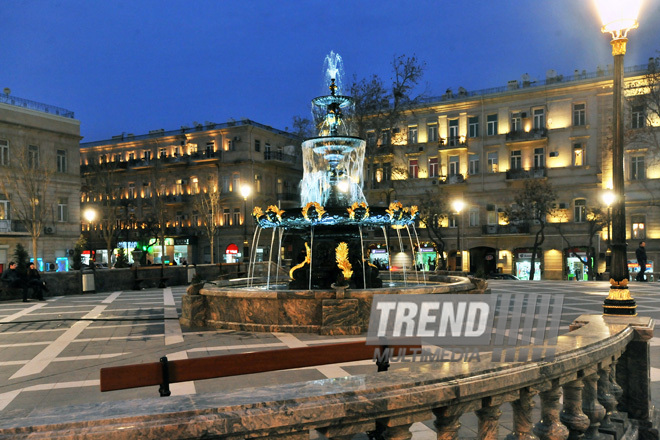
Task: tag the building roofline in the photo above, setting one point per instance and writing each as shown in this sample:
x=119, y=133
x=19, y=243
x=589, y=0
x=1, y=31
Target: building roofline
x=185, y=130
x=6, y=98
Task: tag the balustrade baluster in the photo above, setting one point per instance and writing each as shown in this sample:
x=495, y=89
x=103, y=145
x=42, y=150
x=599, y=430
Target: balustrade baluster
x=605, y=397
x=591, y=407
x=489, y=417
x=447, y=423
x=550, y=427
x=522, y=417
x=571, y=415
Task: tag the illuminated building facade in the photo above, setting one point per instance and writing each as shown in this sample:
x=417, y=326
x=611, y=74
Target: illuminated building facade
x=173, y=168
x=481, y=146
x=39, y=153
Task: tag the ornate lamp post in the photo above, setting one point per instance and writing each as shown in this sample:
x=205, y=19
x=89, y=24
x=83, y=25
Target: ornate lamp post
x=458, y=207
x=246, y=190
x=89, y=215
x=618, y=18
x=87, y=282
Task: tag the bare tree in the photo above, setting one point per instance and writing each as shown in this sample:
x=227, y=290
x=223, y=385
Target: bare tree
x=102, y=186
x=207, y=204
x=31, y=189
x=596, y=220
x=533, y=203
x=432, y=211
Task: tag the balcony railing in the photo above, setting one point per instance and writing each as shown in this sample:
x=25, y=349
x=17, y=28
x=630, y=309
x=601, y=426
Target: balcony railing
x=534, y=173
x=278, y=155
x=452, y=142
x=523, y=136
x=597, y=383
x=505, y=229
x=33, y=105
x=453, y=179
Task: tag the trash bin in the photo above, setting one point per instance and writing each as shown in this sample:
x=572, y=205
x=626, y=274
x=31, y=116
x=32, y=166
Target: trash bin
x=88, y=283
x=191, y=273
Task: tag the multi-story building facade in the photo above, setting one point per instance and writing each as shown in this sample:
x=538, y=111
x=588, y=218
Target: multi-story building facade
x=480, y=147
x=39, y=165
x=161, y=177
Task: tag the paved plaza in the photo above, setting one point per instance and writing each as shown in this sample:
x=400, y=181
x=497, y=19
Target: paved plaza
x=51, y=352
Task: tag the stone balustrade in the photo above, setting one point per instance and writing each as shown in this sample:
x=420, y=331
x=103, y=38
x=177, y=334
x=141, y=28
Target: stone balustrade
x=597, y=384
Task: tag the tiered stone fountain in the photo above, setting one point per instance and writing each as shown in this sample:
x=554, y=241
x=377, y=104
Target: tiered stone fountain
x=331, y=286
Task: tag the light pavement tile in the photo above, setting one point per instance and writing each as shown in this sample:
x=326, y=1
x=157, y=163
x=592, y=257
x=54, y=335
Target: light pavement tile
x=41, y=361
x=655, y=374
x=113, y=296
x=23, y=312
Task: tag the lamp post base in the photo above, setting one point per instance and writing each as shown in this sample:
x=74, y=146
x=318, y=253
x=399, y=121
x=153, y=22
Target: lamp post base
x=619, y=301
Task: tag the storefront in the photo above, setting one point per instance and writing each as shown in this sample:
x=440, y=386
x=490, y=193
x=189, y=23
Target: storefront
x=633, y=269
x=426, y=257
x=232, y=254
x=575, y=267
x=379, y=257
x=523, y=263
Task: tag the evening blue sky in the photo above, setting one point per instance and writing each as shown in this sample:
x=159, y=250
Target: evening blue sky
x=140, y=65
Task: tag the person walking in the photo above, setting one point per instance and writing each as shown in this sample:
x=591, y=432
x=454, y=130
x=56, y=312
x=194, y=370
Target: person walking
x=14, y=279
x=640, y=253
x=35, y=282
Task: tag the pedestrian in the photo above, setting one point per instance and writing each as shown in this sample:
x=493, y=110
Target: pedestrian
x=35, y=282
x=14, y=279
x=640, y=253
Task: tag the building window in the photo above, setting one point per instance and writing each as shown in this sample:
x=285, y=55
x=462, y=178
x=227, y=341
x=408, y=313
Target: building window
x=226, y=217
x=433, y=167
x=146, y=189
x=236, y=182
x=473, y=164
x=371, y=139
x=473, y=126
x=210, y=149
x=33, y=156
x=146, y=155
x=237, y=216
x=453, y=221
x=579, y=114
x=257, y=183
x=225, y=184
x=491, y=125
x=195, y=186
x=578, y=155
x=539, y=157
x=492, y=214
x=492, y=162
x=131, y=190
x=516, y=121
x=454, y=165
x=257, y=145
x=637, y=170
x=638, y=116
x=516, y=159
x=385, y=136
x=131, y=156
x=413, y=169
x=162, y=153
x=474, y=216
x=432, y=133
x=4, y=152
x=62, y=210
x=412, y=134
x=387, y=171
x=539, y=118
x=179, y=187
x=4, y=207
x=453, y=132
x=638, y=227
x=580, y=211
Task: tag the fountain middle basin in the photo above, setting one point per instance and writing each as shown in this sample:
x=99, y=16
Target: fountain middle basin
x=328, y=312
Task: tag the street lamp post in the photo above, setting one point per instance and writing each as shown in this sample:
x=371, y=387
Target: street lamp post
x=608, y=198
x=458, y=207
x=618, y=18
x=246, y=190
x=87, y=281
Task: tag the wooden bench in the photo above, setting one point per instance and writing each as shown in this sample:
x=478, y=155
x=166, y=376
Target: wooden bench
x=165, y=372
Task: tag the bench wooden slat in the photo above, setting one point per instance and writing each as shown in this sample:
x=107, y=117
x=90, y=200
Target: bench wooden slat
x=183, y=370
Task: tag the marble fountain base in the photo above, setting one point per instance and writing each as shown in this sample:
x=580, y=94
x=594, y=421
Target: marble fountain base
x=326, y=312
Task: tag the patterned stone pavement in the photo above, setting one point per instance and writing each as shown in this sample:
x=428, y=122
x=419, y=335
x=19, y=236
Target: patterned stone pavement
x=51, y=352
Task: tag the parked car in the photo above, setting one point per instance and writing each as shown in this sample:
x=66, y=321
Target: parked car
x=502, y=276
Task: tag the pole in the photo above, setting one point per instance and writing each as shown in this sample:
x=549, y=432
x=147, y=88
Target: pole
x=619, y=301
x=459, y=256
x=246, y=249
